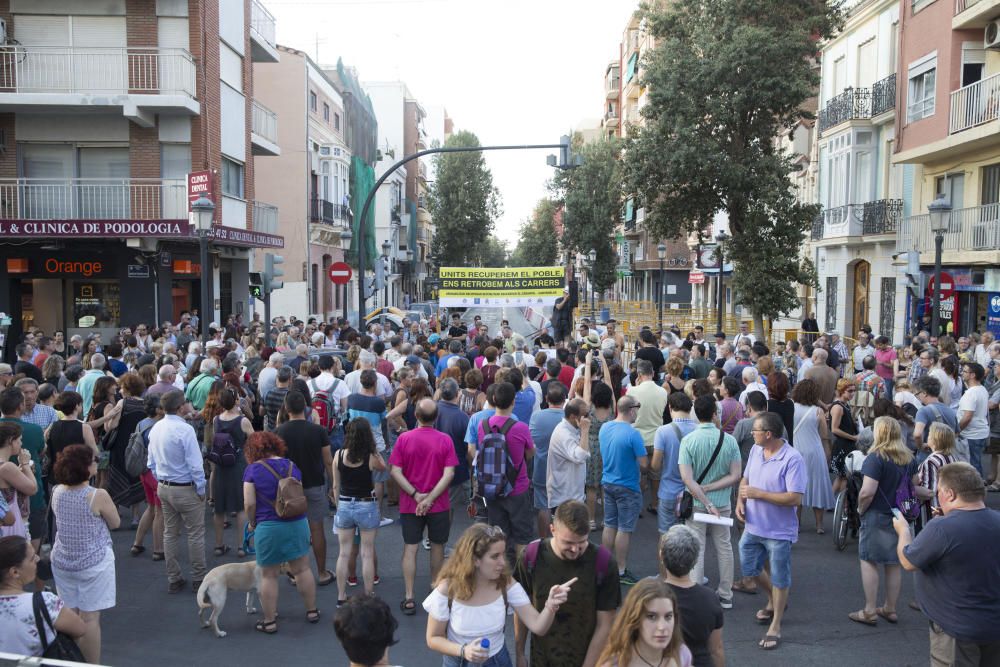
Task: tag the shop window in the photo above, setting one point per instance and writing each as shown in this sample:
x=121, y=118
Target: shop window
x=96, y=304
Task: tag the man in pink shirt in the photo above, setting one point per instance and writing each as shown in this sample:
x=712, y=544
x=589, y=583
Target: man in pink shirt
x=885, y=355
x=423, y=465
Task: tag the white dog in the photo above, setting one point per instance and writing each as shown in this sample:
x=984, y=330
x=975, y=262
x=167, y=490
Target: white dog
x=218, y=582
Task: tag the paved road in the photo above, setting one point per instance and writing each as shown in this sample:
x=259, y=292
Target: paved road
x=151, y=627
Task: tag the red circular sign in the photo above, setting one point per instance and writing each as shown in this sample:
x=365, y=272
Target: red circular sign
x=340, y=273
x=947, y=286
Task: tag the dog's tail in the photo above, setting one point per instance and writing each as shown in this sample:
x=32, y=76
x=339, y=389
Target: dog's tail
x=203, y=599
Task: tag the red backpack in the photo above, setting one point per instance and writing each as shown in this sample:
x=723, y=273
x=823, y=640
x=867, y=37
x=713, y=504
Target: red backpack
x=327, y=408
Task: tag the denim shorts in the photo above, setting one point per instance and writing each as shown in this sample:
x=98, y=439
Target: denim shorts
x=665, y=517
x=501, y=659
x=356, y=514
x=621, y=507
x=754, y=551
x=381, y=475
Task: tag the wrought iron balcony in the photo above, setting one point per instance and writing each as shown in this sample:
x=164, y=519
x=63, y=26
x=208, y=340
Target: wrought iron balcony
x=882, y=216
x=327, y=213
x=852, y=104
x=884, y=95
x=817, y=227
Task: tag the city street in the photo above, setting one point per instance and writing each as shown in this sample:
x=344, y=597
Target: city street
x=151, y=627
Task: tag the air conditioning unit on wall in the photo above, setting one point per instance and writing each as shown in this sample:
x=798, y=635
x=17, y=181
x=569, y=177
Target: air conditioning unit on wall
x=991, y=35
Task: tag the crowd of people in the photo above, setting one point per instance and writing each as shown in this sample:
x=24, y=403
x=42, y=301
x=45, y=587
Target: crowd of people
x=272, y=428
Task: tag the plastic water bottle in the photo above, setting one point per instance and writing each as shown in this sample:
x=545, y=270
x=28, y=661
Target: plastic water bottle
x=485, y=644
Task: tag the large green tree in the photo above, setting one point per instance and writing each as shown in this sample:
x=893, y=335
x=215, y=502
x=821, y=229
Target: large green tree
x=725, y=79
x=592, y=195
x=464, y=204
x=492, y=253
x=536, y=245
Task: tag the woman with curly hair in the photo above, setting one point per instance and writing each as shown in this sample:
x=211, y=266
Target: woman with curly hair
x=471, y=598
x=277, y=539
x=647, y=630
x=471, y=399
x=810, y=433
x=83, y=562
x=147, y=373
x=52, y=369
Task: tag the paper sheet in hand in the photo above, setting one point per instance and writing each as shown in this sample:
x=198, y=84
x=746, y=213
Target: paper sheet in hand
x=711, y=518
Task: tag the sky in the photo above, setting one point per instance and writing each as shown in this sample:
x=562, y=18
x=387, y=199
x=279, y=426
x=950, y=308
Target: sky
x=512, y=72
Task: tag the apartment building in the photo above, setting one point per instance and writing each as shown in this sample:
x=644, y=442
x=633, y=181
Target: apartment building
x=308, y=181
x=949, y=144
x=639, y=261
x=853, y=240
x=399, y=219
x=105, y=108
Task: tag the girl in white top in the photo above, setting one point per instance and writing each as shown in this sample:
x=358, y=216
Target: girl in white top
x=473, y=597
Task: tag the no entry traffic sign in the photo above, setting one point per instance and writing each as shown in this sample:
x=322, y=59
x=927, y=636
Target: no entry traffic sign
x=947, y=286
x=340, y=273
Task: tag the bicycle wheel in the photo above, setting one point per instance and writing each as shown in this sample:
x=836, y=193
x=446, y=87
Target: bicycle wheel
x=840, y=521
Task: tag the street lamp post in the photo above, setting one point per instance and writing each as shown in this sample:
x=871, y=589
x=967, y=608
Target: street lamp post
x=592, y=256
x=661, y=252
x=720, y=301
x=345, y=245
x=203, y=212
x=940, y=215
x=386, y=248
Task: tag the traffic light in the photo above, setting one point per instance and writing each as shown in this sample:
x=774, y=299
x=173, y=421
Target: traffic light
x=256, y=286
x=916, y=281
x=272, y=271
x=567, y=158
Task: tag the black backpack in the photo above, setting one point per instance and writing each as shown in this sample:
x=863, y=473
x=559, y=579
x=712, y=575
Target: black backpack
x=223, y=452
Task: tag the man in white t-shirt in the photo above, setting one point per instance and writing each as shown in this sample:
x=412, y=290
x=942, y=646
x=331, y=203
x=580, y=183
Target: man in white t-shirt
x=367, y=361
x=973, y=414
x=330, y=383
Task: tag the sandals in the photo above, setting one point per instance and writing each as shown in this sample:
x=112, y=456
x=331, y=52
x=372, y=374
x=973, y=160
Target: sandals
x=408, y=606
x=773, y=640
x=221, y=551
x=312, y=616
x=864, y=619
x=764, y=616
x=137, y=549
x=328, y=580
x=267, y=627
x=741, y=587
x=291, y=578
x=887, y=615
x=159, y=555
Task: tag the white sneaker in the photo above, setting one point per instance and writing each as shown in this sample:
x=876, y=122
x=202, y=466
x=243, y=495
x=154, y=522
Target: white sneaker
x=427, y=544
x=726, y=604
x=386, y=521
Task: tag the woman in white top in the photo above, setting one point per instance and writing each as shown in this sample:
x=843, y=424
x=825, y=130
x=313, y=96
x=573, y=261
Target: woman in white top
x=18, y=565
x=17, y=481
x=473, y=597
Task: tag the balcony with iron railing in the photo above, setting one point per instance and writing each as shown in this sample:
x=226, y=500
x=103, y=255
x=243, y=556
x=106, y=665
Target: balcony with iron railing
x=327, y=213
x=974, y=13
x=264, y=130
x=92, y=199
x=975, y=104
x=265, y=218
x=881, y=216
x=98, y=76
x=972, y=229
x=884, y=95
x=263, y=29
x=852, y=104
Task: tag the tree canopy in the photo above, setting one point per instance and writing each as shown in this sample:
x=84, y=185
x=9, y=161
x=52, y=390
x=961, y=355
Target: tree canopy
x=464, y=204
x=592, y=196
x=537, y=244
x=725, y=79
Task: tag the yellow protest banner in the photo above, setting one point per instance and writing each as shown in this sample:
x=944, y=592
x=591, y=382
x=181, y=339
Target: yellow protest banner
x=492, y=287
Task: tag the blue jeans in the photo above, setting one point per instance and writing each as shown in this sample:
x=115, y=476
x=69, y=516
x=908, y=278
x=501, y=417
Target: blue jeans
x=362, y=514
x=501, y=659
x=621, y=507
x=976, y=448
x=665, y=517
x=755, y=550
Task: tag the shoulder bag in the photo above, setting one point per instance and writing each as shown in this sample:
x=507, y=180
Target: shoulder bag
x=685, y=501
x=62, y=647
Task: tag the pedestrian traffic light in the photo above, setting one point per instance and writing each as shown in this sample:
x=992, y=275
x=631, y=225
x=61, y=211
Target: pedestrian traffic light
x=272, y=271
x=256, y=286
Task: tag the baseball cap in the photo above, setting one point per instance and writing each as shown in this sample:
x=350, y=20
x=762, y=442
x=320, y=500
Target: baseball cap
x=413, y=359
x=5, y=369
x=433, y=339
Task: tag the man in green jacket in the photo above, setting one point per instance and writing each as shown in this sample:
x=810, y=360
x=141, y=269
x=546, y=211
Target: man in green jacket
x=198, y=388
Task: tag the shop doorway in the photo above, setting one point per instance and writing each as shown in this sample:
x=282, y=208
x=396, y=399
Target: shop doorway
x=42, y=305
x=181, y=292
